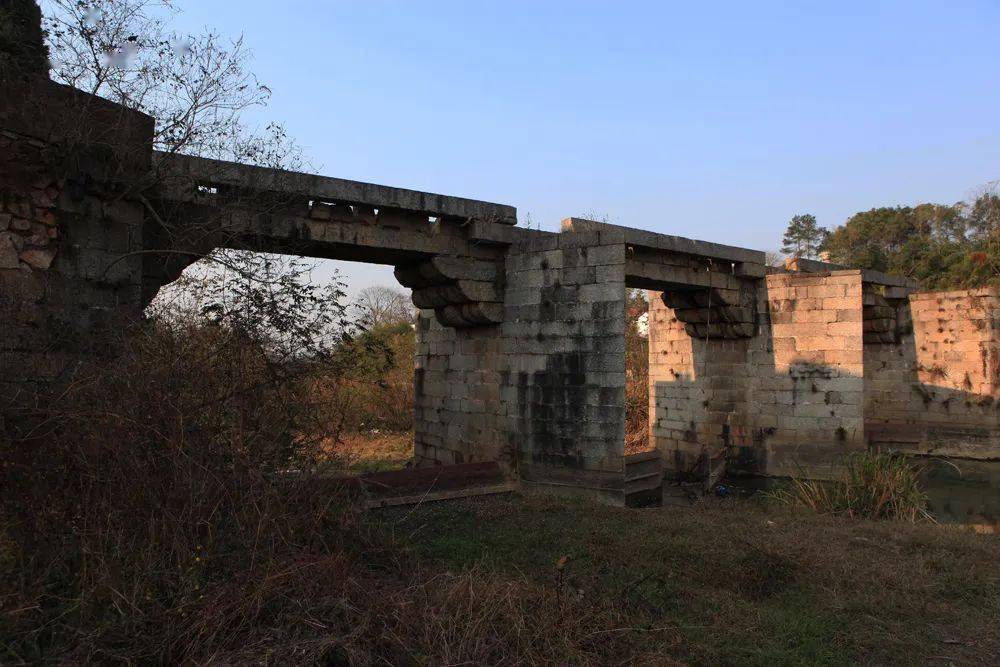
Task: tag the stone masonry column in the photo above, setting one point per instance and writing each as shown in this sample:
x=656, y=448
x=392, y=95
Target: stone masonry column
x=563, y=360
x=809, y=391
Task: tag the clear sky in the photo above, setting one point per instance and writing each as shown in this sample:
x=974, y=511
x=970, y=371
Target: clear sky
x=716, y=121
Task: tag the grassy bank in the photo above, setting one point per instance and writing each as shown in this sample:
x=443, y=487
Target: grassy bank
x=736, y=582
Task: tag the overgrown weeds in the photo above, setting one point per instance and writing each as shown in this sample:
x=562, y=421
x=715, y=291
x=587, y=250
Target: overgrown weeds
x=874, y=485
x=636, y=375
x=142, y=520
x=142, y=498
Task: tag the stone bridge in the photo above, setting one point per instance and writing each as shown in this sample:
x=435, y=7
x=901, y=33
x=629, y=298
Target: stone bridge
x=521, y=334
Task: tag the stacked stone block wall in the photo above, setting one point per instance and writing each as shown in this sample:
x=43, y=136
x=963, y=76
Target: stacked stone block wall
x=809, y=391
x=935, y=387
x=457, y=394
x=787, y=401
x=563, y=377
x=699, y=388
x=67, y=231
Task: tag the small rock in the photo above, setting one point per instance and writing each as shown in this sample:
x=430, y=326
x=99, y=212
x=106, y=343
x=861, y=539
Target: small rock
x=5, y=219
x=53, y=233
x=41, y=199
x=20, y=224
x=19, y=208
x=16, y=240
x=39, y=258
x=8, y=252
x=48, y=218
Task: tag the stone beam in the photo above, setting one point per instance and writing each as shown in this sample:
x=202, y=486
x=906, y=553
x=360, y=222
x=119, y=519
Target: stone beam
x=183, y=174
x=658, y=276
x=802, y=265
x=678, y=244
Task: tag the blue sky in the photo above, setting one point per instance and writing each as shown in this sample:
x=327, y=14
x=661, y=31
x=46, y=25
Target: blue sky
x=717, y=121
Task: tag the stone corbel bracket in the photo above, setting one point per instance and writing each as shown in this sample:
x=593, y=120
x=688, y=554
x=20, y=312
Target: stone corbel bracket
x=881, y=312
x=715, y=312
x=463, y=292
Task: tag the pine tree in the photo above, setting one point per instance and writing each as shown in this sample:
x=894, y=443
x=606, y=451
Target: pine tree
x=803, y=237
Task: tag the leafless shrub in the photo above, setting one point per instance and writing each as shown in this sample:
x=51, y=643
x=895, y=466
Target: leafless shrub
x=196, y=86
x=636, y=374
x=142, y=521
x=379, y=306
x=148, y=484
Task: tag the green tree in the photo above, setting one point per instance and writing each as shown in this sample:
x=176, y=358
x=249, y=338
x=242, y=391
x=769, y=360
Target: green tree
x=803, y=237
x=942, y=246
x=983, y=215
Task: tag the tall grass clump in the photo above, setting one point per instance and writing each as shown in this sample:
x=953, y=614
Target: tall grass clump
x=874, y=485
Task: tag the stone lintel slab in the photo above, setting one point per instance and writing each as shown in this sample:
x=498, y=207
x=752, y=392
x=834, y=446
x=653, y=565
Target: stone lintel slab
x=647, y=275
x=802, y=265
x=657, y=241
x=879, y=278
x=987, y=292
x=486, y=232
x=208, y=172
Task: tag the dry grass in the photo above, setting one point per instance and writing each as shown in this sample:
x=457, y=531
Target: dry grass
x=371, y=451
x=141, y=522
x=739, y=582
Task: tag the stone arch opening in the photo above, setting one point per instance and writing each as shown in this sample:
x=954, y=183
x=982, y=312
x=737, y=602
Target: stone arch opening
x=449, y=252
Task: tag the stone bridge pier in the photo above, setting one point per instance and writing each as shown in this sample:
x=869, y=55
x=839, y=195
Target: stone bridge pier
x=521, y=334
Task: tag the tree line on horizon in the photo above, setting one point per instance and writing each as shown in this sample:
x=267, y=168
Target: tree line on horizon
x=943, y=246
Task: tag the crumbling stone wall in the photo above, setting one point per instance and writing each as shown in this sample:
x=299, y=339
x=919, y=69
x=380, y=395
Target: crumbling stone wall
x=67, y=228
x=28, y=229
x=22, y=41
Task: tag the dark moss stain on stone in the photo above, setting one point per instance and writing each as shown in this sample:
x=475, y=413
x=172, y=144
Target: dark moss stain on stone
x=558, y=405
